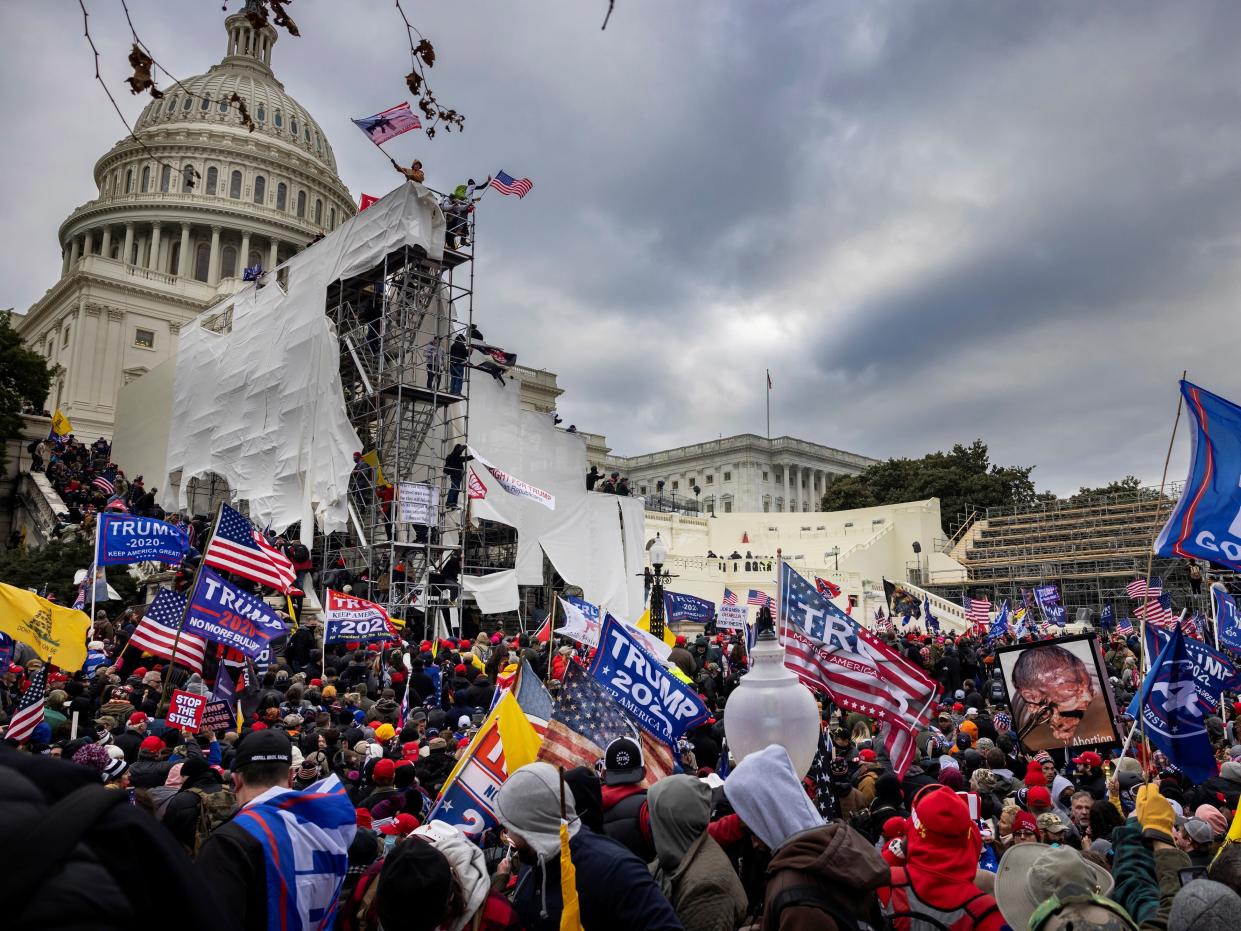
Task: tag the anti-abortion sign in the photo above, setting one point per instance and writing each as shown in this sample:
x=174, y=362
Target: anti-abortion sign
x=417, y=503
x=731, y=617
x=347, y=619
x=227, y=615
x=124, y=538
x=186, y=710
x=1206, y=522
x=678, y=607
x=218, y=716
x=658, y=701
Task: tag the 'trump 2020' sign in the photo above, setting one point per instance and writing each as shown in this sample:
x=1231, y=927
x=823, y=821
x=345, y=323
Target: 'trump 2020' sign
x=651, y=695
x=225, y=614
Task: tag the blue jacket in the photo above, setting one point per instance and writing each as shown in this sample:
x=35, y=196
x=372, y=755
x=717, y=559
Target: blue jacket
x=615, y=890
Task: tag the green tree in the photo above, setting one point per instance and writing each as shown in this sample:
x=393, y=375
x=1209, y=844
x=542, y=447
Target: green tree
x=25, y=378
x=962, y=477
x=1122, y=489
x=54, y=565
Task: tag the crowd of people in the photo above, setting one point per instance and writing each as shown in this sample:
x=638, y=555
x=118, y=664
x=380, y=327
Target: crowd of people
x=977, y=833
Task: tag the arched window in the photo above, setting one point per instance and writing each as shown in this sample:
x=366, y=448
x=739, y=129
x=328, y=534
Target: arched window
x=308, y=135
x=318, y=212
x=293, y=126
x=234, y=185
x=223, y=104
x=282, y=196
x=278, y=119
x=260, y=189
x=332, y=222
x=213, y=177
x=172, y=104
x=189, y=103
x=165, y=178
x=206, y=104
x=261, y=114
x=146, y=178
x=228, y=263
x=187, y=179
x=301, y=205
x=202, y=261
x=174, y=258
x=129, y=180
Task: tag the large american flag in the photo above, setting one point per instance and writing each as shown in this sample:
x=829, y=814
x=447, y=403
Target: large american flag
x=831, y=652
x=730, y=597
x=507, y=184
x=236, y=546
x=1124, y=626
x=157, y=632
x=757, y=598
x=29, y=711
x=1138, y=588
x=977, y=610
x=1157, y=611
x=106, y=481
x=585, y=720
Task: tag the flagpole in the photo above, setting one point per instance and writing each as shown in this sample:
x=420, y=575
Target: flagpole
x=189, y=598
x=94, y=570
x=769, y=404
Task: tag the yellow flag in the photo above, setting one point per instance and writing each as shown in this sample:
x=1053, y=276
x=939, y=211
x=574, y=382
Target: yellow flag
x=644, y=623
x=58, y=634
x=1234, y=832
x=60, y=424
x=372, y=460
x=521, y=743
x=570, y=910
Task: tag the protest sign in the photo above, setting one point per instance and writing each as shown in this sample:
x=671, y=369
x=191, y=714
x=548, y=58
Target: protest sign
x=224, y=613
x=124, y=538
x=731, y=617
x=186, y=710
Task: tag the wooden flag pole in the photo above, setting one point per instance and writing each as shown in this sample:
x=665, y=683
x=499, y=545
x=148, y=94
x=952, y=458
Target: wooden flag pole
x=189, y=597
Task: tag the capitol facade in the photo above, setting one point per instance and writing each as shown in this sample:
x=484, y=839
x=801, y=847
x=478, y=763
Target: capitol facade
x=177, y=220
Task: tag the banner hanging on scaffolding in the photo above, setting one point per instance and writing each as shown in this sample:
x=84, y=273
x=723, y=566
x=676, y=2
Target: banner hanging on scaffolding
x=514, y=485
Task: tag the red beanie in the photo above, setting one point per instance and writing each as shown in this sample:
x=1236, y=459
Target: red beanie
x=943, y=841
x=1038, y=795
x=1034, y=775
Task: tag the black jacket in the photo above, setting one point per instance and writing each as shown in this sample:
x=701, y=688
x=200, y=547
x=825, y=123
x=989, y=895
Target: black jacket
x=231, y=865
x=128, y=741
x=181, y=815
x=622, y=822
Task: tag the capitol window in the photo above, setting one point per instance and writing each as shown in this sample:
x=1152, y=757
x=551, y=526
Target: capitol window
x=189, y=102
x=64, y=339
x=144, y=339
x=165, y=179
x=278, y=119
x=234, y=186
x=187, y=179
x=172, y=104
x=261, y=114
x=212, y=178
x=223, y=104
x=206, y=104
x=146, y=178
x=129, y=181
x=710, y=479
x=293, y=126
x=260, y=189
x=202, y=261
x=228, y=263
x=728, y=476
x=282, y=195
x=318, y=212
x=301, y=205
x=332, y=221
x=764, y=476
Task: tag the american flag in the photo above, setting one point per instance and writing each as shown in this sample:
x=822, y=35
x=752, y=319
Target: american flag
x=1194, y=625
x=157, y=632
x=730, y=597
x=505, y=184
x=1157, y=611
x=821, y=775
x=757, y=598
x=831, y=652
x=977, y=610
x=1124, y=626
x=237, y=547
x=105, y=481
x=585, y=720
x=884, y=625
x=1138, y=588
x=29, y=711
x=826, y=587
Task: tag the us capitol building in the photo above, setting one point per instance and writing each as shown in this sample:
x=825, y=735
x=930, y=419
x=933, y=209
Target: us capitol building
x=177, y=222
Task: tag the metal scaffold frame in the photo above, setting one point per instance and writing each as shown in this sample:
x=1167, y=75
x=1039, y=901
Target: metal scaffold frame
x=407, y=395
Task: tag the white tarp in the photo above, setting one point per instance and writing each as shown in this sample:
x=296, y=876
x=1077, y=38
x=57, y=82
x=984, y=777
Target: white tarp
x=262, y=405
x=494, y=593
x=583, y=536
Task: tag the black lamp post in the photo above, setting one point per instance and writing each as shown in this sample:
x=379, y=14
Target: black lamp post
x=659, y=553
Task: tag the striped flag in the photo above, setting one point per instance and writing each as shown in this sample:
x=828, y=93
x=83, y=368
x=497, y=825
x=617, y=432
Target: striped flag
x=730, y=597
x=826, y=587
x=757, y=598
x=1138, y=588
x=1124, y=626
x=116, y=503
x=884, y=625
x=1157, y=611
x=977, y=610
x=388, y=124
x=157, y=632
x=237, y=547
x=106, y=481
x=506, y=184
x=29, y=711
x=1194, y=625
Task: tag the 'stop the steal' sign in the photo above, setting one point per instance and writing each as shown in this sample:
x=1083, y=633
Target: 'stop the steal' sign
x=124, y=539
x=652, y=696
x=185, y=711
x=225, y=614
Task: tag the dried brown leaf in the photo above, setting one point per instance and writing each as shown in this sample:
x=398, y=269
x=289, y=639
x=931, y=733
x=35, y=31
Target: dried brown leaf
x=413, y=81
x=282, y=17
x=240, y=104
x=426, y=52
x=141, y=79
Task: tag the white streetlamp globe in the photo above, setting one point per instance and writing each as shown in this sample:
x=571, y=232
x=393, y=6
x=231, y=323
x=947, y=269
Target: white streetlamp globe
x=659, y=552
x=771, y=706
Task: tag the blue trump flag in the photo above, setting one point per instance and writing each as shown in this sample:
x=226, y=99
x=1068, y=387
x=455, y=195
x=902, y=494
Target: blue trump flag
x=1206, y=522
x=1175, y=712
x=999, y=627
x=124, y=538
x=1213, y=671
x=1227, y=620
x=1048, y=597
x=678, y=607
x=660, y=703
x=224, y=613
x=1107, y=618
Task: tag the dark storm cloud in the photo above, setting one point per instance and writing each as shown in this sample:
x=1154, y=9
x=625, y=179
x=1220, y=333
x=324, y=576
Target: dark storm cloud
x=932, y=221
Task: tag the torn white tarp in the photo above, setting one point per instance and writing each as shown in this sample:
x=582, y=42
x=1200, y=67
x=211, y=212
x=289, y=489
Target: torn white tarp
x=259, y=401
x=494, y=593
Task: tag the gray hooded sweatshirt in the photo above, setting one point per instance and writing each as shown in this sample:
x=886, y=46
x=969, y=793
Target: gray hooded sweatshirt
x=766, y=794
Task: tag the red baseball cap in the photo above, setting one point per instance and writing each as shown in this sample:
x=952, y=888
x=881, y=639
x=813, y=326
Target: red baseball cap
x=403, y=824
x=1090, y=758
x=867, y=756
x=140, y=671
x=385, y=769
x=363, y=817
x=138, y=717
x=152, y=743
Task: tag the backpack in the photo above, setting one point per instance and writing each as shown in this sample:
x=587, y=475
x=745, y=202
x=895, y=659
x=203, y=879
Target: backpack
x=814, y=897
x=997, y=691
x=214, y=808
x=904, y=905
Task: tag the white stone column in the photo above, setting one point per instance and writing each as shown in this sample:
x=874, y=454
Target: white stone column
x=105, y=247
x=88, y=246
x=153, y=263
x=244, y=258
x=213, y=266
x=74, y=252
x=274, y=255
x=128, y=255
x=183, y=257
x=64, y=261
x=787, y=491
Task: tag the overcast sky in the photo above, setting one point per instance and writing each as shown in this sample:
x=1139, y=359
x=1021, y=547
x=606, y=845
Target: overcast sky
x=931, y=221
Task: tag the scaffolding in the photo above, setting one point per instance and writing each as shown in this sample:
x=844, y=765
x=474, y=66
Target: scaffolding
x=406, y=329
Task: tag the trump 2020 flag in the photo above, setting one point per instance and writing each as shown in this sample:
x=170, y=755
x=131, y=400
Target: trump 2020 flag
x=678, y=607
x=661, y=704
x=388, y=124
x=1214, y=673
x=1175, y=712
x=1206, y=522
x=347, y=618
x=1227, y=620
x=224, y=613
x=125, y=538
x=999, y=627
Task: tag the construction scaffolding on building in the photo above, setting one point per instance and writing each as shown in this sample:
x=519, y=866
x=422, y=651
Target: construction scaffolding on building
x=405, y=328
x=1090, y=547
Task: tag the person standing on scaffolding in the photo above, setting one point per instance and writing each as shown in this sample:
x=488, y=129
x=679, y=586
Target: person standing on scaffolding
x=435, y=363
